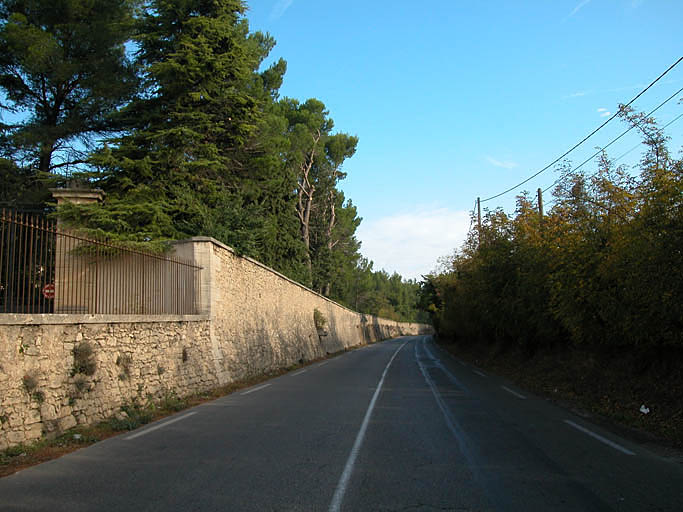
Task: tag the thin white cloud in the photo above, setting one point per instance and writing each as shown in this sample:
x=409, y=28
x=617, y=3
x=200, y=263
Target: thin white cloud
x=498, y=163
x=279, y=9
x=577, y=94
x=410, y=243
x=604, y=112
x=580, y=6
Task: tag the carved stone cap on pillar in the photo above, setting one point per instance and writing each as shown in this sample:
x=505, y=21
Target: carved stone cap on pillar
x=77, y=195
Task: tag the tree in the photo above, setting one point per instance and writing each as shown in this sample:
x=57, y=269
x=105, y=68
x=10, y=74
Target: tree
x=308, y=128
x=190, y=132
x=338, y=148
x=64, y=70
x=316, y=157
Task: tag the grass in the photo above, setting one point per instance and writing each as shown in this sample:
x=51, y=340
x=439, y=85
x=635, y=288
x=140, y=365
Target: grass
x=135, y=415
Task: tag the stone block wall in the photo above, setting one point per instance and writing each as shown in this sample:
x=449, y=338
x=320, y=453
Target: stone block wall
x=262, y=320
x=45, y=389
x=254, y=320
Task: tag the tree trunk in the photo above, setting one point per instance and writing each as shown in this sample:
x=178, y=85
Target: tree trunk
x=305, y=202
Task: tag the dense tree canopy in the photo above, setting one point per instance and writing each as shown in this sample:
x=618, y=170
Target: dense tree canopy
x=602, y=270
x=64, y=71
x=167, y=106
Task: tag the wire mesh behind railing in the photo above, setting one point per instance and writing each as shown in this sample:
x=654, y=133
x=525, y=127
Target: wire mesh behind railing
x=47, y=270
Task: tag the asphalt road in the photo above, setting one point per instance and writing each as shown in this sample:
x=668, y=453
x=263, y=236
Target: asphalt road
x=399, y=425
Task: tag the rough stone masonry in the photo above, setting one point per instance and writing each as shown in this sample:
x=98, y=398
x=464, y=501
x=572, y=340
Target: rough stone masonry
x=59, y=371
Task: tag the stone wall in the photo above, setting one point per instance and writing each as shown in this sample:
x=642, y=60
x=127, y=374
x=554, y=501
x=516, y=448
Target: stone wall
x=253, y=320
x=262, y=320
x=46, y=386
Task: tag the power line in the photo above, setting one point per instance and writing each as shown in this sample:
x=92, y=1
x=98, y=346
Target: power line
x=585, y=138
x=620, y=136
x=640, y=143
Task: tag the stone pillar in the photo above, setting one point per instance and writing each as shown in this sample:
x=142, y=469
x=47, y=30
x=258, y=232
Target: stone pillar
x=199, y=251
x=74, y=279
x=77, y=195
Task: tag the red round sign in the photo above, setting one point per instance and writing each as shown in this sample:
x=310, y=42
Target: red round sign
x=49, y=291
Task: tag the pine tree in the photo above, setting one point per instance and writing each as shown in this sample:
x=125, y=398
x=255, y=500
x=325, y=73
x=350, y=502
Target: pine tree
x=63, y=71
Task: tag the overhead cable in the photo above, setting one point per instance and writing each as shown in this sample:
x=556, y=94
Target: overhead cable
x=586, y=137
x=619, y=137
x=640, y=143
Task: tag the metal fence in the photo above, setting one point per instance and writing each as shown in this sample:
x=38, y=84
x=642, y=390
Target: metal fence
x=44, y=269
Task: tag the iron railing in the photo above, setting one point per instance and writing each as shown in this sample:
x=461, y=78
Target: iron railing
x=44, y=269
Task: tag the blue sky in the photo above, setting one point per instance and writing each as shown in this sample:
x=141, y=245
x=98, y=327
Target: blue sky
x=452, y=100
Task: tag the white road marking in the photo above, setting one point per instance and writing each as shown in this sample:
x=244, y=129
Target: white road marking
x=221, y=404
x=460, y=436
x=161, y=425
x=255, y=389
x=299, y=372
x=600, y=438
x=480, y=373
x=438, y=364
x=339, y=492
x=323, y=363
x=513, y=392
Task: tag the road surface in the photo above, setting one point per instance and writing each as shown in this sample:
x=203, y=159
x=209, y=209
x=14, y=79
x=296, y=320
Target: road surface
x=399, y=425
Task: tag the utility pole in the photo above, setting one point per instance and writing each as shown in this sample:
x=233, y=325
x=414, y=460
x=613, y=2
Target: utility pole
x=540, y=203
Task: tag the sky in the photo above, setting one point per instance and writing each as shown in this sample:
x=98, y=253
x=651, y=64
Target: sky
x=454, y=100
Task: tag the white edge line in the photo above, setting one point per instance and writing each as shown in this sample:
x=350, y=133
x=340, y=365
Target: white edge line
x=161, y=425
x=600, y=438
x=339, y=492
x=299, y=372
x=513, y=392
x=480, y=373
x=255, y=389
x=323, y=363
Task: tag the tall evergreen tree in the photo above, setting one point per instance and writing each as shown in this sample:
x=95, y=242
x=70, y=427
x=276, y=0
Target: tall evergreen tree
x=63, y=71
x=183, y=155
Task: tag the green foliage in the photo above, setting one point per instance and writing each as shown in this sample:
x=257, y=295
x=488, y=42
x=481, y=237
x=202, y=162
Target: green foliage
x=319, y=320
x=168, y=107
x=136, y=413
x=602, y=269
x=63, y=64
x=132, y=416
x=84, y=359
x=171, y=402
x=378, y=293
x=125, y=362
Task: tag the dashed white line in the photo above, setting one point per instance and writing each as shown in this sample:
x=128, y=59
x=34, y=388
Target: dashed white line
x=299, y=372
x=255, y=389
x=339, y=492
x=600, y=438
x=323, y=363
x=480, y=373
x=513, y=392
x=160, y=425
